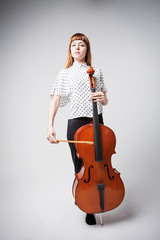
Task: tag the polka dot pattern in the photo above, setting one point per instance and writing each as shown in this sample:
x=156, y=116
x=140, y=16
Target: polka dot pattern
x=73, y=85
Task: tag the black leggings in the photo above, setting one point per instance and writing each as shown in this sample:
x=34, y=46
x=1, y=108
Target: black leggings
x=73, y=125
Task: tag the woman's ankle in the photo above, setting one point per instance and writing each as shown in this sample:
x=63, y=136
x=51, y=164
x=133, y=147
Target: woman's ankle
x=90, y=219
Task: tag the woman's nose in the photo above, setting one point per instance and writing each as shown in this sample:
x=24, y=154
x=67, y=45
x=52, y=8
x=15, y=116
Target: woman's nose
x=77, y=47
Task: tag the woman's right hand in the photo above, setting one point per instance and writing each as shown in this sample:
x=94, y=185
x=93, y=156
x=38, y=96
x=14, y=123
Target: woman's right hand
x=51, y=135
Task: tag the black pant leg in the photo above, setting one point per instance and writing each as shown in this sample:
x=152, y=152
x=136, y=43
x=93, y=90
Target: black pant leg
x=73, y=125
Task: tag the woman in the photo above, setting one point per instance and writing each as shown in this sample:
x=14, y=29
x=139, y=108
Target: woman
x=72, y=84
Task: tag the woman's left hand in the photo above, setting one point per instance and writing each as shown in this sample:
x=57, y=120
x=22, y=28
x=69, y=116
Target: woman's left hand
x=99, y=97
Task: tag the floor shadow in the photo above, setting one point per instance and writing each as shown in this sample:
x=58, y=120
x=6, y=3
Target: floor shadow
x=127, y=210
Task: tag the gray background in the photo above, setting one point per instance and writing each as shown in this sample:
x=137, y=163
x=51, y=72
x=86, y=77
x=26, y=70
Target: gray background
x=36, y=177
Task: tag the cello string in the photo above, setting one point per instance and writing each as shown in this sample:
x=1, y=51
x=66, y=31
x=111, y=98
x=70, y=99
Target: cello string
x=99, y=164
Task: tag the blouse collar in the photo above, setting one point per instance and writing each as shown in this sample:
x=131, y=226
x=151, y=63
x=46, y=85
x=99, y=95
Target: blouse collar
x=79, y=65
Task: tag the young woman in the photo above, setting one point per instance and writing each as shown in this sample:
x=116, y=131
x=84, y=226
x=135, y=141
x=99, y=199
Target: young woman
x=72, y=84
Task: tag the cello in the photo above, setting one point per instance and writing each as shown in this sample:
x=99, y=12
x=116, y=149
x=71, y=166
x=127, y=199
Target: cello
x=98, y=187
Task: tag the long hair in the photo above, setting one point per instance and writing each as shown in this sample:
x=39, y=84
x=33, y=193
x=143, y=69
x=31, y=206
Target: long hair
x=70, y=59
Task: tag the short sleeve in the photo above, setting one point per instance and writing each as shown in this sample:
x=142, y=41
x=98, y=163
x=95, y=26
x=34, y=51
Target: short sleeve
x=103, y=85
x=61, y=87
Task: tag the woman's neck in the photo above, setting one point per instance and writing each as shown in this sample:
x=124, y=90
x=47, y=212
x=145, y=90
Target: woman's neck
x=79, y=61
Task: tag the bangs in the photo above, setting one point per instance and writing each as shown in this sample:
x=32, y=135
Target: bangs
x=79, y=36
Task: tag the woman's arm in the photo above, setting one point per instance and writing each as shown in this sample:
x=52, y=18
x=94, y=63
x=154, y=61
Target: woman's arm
x=53, y=107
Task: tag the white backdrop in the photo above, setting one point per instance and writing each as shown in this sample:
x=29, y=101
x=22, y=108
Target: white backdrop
x=36, y=177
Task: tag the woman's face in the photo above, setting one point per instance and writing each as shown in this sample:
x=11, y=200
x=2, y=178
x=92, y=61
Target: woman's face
x=78, y=50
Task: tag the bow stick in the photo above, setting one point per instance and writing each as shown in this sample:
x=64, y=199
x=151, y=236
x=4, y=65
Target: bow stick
x=71, y=141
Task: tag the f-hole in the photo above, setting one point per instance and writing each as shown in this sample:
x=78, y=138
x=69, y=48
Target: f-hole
x=89, y=174
x=111, y=178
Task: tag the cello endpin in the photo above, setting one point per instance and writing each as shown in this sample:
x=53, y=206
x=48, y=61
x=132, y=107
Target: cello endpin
x=101, y=221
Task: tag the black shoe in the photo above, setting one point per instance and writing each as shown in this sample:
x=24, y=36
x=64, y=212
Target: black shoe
x=90, y=219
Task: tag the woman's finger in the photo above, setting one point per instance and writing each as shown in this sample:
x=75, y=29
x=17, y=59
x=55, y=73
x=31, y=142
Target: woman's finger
x=97, y=94
x=96, y=97
x=52, y=139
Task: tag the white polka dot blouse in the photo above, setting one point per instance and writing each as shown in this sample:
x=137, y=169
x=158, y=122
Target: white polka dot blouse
x=73, y=85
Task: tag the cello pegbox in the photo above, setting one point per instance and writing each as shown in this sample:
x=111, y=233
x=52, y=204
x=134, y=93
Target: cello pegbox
x=90, y=71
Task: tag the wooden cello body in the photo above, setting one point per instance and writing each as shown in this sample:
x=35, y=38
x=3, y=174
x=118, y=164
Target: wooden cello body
x=98, y=187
